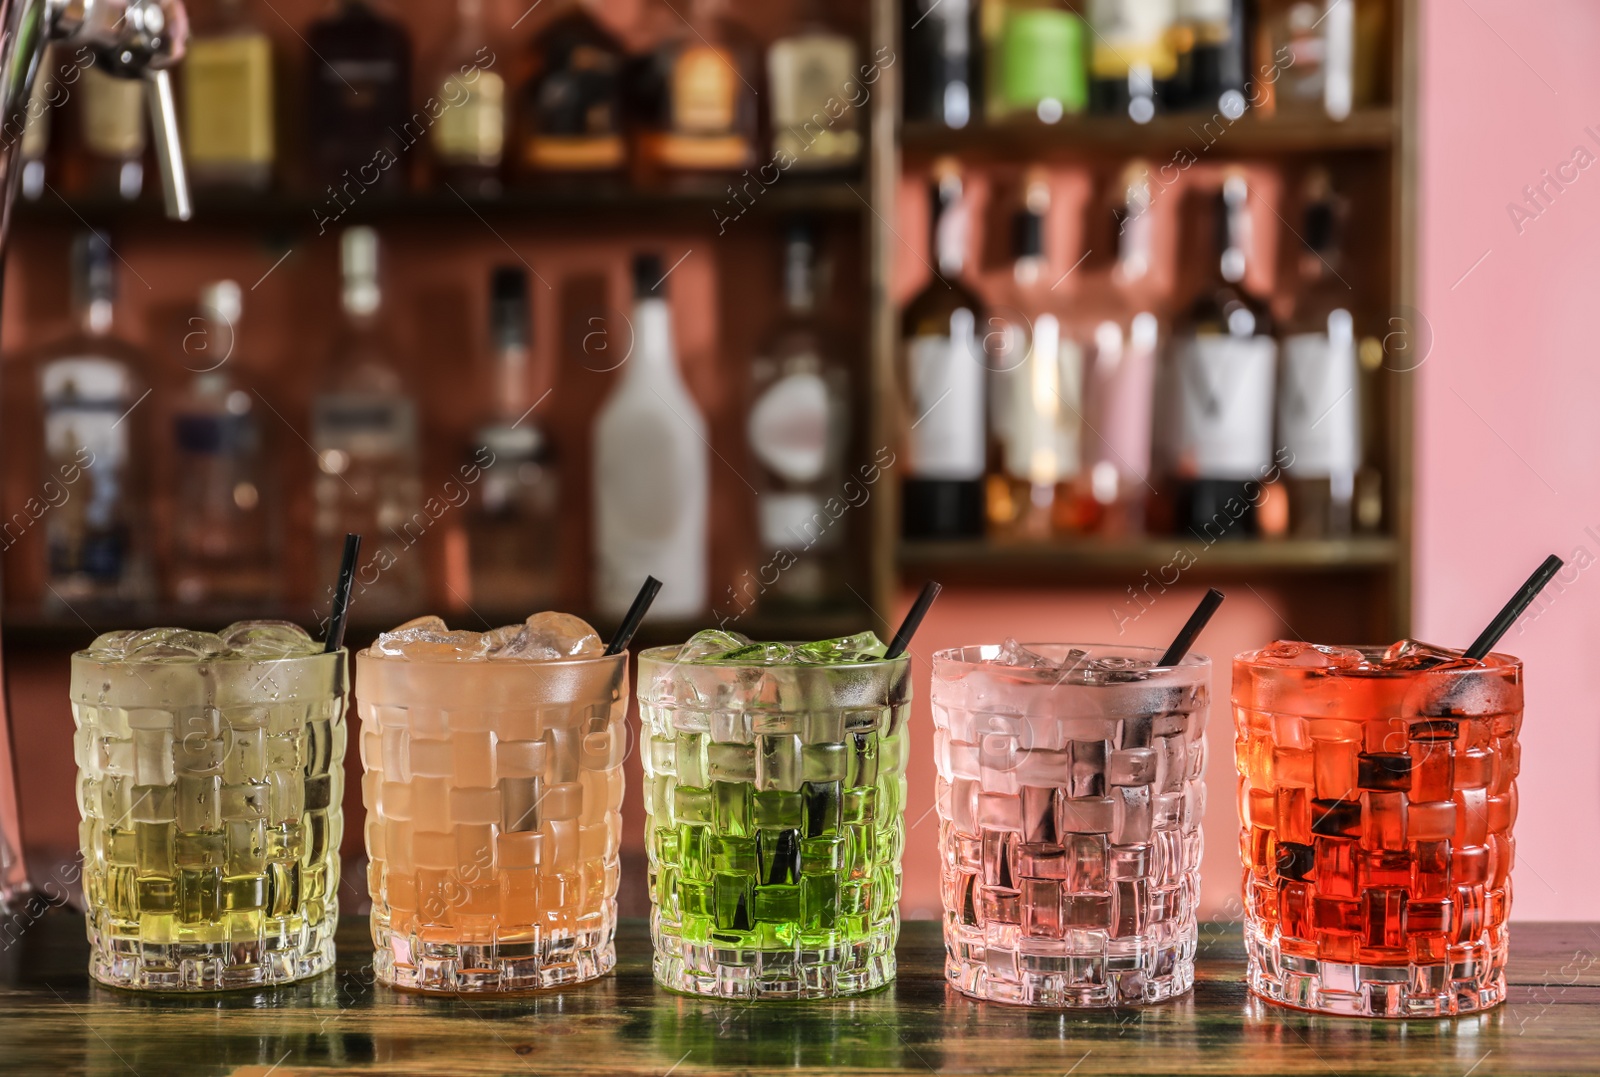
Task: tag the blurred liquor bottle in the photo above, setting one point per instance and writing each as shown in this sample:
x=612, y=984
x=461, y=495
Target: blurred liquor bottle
x=943, y=373
x=695, y=97
x=1222, y=382
x=1322, y=56
x=364, y=433
x=572, y=113
x=95, y=448
x=513, y=529
x=35, y=140
x=1035, y=386
x=942, y=73
x=1320, y=397
x=358, y=115
x=799, y=431
x=469, y=135
x=817, y=95
x=229, y=111
x=1036, y=60
x=1133, y=61
x=652, y=475
x=1120, y=390
x=1214, y=39
x=223, y=548
x=112, y=134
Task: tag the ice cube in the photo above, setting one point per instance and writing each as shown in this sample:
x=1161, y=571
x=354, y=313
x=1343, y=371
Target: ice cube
x=861, y=647
x=427, y=637
x=1410, y=654
x=759, y=654
x=569, y=636
x=268, y=639
x=173, y=643
x=710, y=643
x=544, y=637
x=1015, y=654
x=1297, y=654
x=431, y=621
x=1116, y=669
x=112, y=646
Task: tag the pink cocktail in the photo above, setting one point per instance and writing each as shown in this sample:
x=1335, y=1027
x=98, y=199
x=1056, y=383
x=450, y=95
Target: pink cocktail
x=1069, y=798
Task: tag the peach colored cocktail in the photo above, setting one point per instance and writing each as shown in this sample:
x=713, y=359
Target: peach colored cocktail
x=493, y=788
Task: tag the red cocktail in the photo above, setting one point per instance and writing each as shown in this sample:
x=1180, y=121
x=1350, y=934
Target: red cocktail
x=1377, y=789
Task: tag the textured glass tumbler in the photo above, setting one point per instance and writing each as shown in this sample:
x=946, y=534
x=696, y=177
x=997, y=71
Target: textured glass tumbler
x=776, y=819
x=210, y=793
x=494, y=818
x=1377, y=812
x=1069, y=824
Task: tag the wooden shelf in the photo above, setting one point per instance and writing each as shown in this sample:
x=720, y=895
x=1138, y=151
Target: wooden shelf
x=1199, y=133
x=1019, y=563
x=790, y=194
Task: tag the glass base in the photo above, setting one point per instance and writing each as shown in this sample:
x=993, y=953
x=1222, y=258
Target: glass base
x=1087, y=972
x=1446, y=989
x=129, y=962
x=529, y=964
x=731, y=972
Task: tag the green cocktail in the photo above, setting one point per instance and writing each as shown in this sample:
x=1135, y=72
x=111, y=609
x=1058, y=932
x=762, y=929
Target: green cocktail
x=775, y=787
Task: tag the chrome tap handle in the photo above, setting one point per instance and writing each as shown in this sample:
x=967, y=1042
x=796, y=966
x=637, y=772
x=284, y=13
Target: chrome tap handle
x=169, y=150
x=138, y=39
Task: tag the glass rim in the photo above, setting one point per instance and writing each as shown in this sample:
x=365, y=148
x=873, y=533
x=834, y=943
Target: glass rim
x=668, y=655
x=955, y=656
x=1495, y=662
x=87, y=655
x=366, y=654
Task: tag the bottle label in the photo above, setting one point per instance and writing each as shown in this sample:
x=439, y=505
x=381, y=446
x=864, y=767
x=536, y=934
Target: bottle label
x=1225, y=399
x=85, y=401
x=472, y=130
x=1041, y=59
x=1039, y=406
x=363, y=425
x=704, y=91
x=1122, y=394
x=790, y=427
x=797, y=522
x=1319, y=404
x=1133, y=33
x=113, y=115
x=36, y=132
x=806, y=74
x=947, y=408
x=1211, y=12
x=228, y=99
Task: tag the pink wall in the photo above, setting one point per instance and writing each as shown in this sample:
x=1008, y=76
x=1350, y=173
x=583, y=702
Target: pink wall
x=1507, y=398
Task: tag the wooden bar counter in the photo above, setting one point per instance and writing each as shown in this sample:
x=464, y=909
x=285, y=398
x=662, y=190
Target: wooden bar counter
x=53, y=1021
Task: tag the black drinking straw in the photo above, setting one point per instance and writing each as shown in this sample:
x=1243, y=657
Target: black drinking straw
x=341, y=594
x=636, y=612
x=913, y=621
x=1508, y=616
x=1191, y=630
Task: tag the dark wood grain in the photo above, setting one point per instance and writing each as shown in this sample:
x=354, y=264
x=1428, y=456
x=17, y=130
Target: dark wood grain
x=54, y=1021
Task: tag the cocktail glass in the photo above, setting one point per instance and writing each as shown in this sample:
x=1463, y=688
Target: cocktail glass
x=1069, y=797
x=210, y=774
x=775, y=793
x=493, y=784
x=1377, y=789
